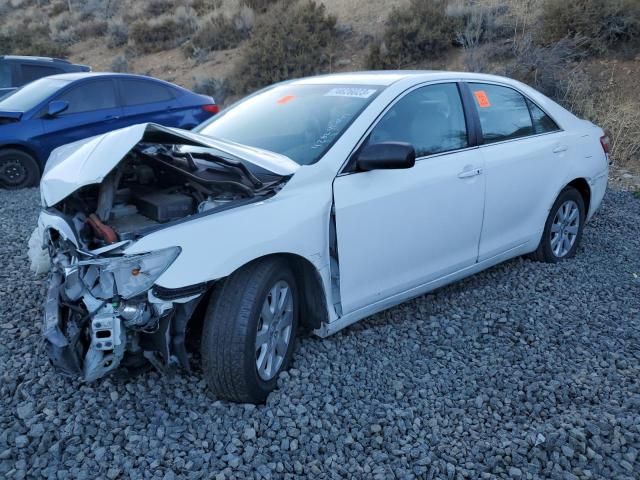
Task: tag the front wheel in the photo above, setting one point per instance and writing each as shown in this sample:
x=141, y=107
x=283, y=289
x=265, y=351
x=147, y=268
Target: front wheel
x=18, y=169
x=563, y=228
x=250, y=331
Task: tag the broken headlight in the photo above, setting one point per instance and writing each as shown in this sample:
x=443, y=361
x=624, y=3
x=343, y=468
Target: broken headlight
x=127, y=276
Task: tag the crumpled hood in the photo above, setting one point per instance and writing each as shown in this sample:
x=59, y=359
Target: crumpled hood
x=88, y=161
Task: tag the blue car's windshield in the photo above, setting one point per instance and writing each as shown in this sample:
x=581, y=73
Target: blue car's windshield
x=299, y=121
x=31, y=94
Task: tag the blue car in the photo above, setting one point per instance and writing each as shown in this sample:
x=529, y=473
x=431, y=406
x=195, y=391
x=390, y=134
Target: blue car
x=61, y=109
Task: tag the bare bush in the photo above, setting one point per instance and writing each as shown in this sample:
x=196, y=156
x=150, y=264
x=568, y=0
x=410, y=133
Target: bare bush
x=163, y=33
x=422, y=30
x=216, y=33
x=288, y=41
x=259, y=5
x=220, y=90
x=117, y=33
x=602, y=23
x=120, y=64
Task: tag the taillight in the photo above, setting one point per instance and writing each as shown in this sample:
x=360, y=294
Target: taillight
x=606, y=143
x=211, y=108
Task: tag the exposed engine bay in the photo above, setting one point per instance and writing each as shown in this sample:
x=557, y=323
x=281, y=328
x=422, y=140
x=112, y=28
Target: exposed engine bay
x=103, y=307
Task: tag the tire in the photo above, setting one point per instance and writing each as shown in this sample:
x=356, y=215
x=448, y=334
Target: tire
x=553, y=247
x=230, y=354
x=18, y=169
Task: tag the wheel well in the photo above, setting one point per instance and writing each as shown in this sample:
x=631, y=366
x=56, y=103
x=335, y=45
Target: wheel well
x=582, y=186
x=24, y=149
x=313, y=300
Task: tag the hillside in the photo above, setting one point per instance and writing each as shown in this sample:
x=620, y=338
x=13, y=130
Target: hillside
x=588, y=59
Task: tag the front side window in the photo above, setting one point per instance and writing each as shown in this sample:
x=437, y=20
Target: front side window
x=429, y=118
x=5, y=75
x=140, y=92
x=91, y=96
x=299, y=121
x=504, y=114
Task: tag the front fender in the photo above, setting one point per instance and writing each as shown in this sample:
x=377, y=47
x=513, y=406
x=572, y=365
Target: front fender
x=294, y=221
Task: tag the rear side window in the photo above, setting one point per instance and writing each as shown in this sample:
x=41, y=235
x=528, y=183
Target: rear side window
x=5, y=75
x=504, y=114
x=542, y=123
x=87, y=97
x=430, y=118
x=34, y=72
x=139, y=92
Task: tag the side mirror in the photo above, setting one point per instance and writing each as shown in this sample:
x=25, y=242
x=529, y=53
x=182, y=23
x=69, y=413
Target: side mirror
x=386, y=156
x=56, y=108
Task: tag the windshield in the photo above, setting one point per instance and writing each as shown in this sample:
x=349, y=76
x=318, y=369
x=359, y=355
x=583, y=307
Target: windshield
x=5, y=75
x=299, y=121
x=31, y=94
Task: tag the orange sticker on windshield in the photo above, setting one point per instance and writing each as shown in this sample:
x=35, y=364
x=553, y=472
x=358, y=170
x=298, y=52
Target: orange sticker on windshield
x=482, y=98
x=285, y=99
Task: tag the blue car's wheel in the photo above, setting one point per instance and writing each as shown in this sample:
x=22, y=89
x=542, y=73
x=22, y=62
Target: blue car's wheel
x=17, y=169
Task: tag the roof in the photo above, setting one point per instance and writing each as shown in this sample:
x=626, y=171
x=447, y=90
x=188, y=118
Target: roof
x=32, y=58
x=388, y=77
x=73, y=76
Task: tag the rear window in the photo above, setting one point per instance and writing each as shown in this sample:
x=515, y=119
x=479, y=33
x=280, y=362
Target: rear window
x=5, y=75
x=34, y=72
x=542, y=123
x=31, y=94
x=140, y=92
x=298, y=121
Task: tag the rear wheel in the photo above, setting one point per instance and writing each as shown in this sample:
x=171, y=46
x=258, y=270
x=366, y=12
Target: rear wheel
x=563, y=228
x=18, y=169
x=250, y=331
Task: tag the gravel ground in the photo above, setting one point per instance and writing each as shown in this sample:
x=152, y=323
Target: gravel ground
x=524, y=371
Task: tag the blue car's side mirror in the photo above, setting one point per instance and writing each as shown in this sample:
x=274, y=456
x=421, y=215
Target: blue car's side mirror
x=56, y=108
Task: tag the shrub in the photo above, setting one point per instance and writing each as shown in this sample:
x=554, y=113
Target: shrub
x=290, y=40
x=602, y=23
x=117, y=34
x=157, y=35
x=217, y=33
x=120, y=64
x=218, y=89
x=259, y=5
x=90, y=29
x=419, y=31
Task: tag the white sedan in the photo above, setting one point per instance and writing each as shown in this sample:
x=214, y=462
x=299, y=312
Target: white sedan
x=313, y=203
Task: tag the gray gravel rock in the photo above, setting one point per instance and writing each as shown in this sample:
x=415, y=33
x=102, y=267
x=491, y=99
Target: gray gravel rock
x=527, y=371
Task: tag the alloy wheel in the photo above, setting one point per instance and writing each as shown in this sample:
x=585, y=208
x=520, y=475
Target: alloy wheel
x=274, y=330
x=565, y=228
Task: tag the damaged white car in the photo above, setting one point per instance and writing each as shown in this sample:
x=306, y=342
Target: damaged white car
x=313, y=203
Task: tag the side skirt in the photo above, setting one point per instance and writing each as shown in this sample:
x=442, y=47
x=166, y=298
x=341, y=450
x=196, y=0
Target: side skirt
x=353, y=317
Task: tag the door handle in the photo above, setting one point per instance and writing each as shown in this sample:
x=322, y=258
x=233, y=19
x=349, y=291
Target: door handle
x=112, y=117
x=560, y=149
x=470, y=173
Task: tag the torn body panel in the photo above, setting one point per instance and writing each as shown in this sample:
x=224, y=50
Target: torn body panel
x=104, y=303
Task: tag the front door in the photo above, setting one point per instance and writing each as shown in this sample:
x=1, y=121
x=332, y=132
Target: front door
x=93, y=109
x=399, y=229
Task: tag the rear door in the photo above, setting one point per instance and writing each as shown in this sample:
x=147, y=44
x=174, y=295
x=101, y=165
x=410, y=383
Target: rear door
x=93, y=109
x=399, y=229
x=149, y=101
x=523, y=150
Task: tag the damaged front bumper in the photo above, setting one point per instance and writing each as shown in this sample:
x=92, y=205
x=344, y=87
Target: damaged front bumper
x=102, y=311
